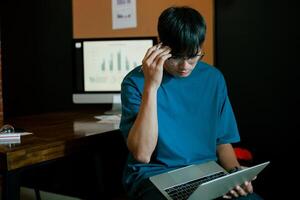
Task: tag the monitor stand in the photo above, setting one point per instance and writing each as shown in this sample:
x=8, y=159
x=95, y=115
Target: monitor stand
x=115, y=110
x=116, y=106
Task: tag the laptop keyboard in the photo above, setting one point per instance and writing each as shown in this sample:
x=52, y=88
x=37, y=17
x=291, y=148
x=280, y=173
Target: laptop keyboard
x=183, y=191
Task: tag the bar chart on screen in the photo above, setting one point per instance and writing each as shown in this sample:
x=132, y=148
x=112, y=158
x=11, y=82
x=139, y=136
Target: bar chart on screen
x=109, y=61
x=117, y=62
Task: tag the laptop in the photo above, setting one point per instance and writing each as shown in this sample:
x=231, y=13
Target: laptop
x=202, y=181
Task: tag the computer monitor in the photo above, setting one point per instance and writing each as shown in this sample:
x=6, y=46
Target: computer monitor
x=101, y=65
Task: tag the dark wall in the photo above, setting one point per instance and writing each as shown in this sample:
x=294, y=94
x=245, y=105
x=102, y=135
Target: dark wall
x=37, y=70
x=252, y=52
x=248, y=53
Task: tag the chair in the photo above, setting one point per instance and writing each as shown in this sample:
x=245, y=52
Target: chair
x=244, y=156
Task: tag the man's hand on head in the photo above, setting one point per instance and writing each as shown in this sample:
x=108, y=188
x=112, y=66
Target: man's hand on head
x=153, y=64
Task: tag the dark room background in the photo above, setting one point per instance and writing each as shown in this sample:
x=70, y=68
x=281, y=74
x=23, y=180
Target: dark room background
x=250, y=36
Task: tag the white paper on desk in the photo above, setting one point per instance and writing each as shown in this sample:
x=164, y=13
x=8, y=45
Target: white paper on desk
x=113, y=124
x=112, y=118
x=123, y=14
x=87, y=128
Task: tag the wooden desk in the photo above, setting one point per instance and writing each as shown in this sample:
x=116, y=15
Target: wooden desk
x=55, y=135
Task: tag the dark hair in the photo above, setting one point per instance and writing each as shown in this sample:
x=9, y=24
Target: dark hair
x=182, y=29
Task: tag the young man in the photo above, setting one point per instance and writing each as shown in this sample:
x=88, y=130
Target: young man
x=175, y=108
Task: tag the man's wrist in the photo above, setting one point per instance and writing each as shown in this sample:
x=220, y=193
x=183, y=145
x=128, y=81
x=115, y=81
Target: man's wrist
x=148, y=88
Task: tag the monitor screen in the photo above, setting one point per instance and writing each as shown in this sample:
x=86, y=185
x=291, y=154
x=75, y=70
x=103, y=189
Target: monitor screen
x=101, y=65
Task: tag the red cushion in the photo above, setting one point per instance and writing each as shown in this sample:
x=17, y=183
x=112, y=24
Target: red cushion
x=243, y=154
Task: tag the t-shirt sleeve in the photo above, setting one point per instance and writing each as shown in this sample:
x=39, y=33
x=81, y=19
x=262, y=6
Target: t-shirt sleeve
x=131, y=100
x=228, y=130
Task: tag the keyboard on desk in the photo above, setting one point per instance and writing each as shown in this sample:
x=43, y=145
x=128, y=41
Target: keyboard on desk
x=183, y=191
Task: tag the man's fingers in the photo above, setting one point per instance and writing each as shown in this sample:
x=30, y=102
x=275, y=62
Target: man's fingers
x=151, y=49
x=234, y=193
x=240, y=191
x=162, y=55
x=227, y=196
x=248, y=187
x=153, y=60
x=153, y=52
x=162, y=59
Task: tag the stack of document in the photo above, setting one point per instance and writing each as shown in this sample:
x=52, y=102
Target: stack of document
x=10, y=138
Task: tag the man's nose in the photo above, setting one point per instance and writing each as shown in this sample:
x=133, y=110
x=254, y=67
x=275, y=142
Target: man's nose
x=184, y=64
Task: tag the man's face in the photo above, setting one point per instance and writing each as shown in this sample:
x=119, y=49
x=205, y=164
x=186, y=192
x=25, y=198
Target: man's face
x=182, y=66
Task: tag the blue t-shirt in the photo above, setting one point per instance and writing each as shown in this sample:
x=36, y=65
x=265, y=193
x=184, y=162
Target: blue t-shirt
x=194, y=116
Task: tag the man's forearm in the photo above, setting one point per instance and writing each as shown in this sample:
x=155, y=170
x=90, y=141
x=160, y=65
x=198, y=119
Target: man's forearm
x=227, y=156
x=142, y=138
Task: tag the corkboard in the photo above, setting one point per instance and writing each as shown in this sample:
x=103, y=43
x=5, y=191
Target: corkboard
x=93, y=19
